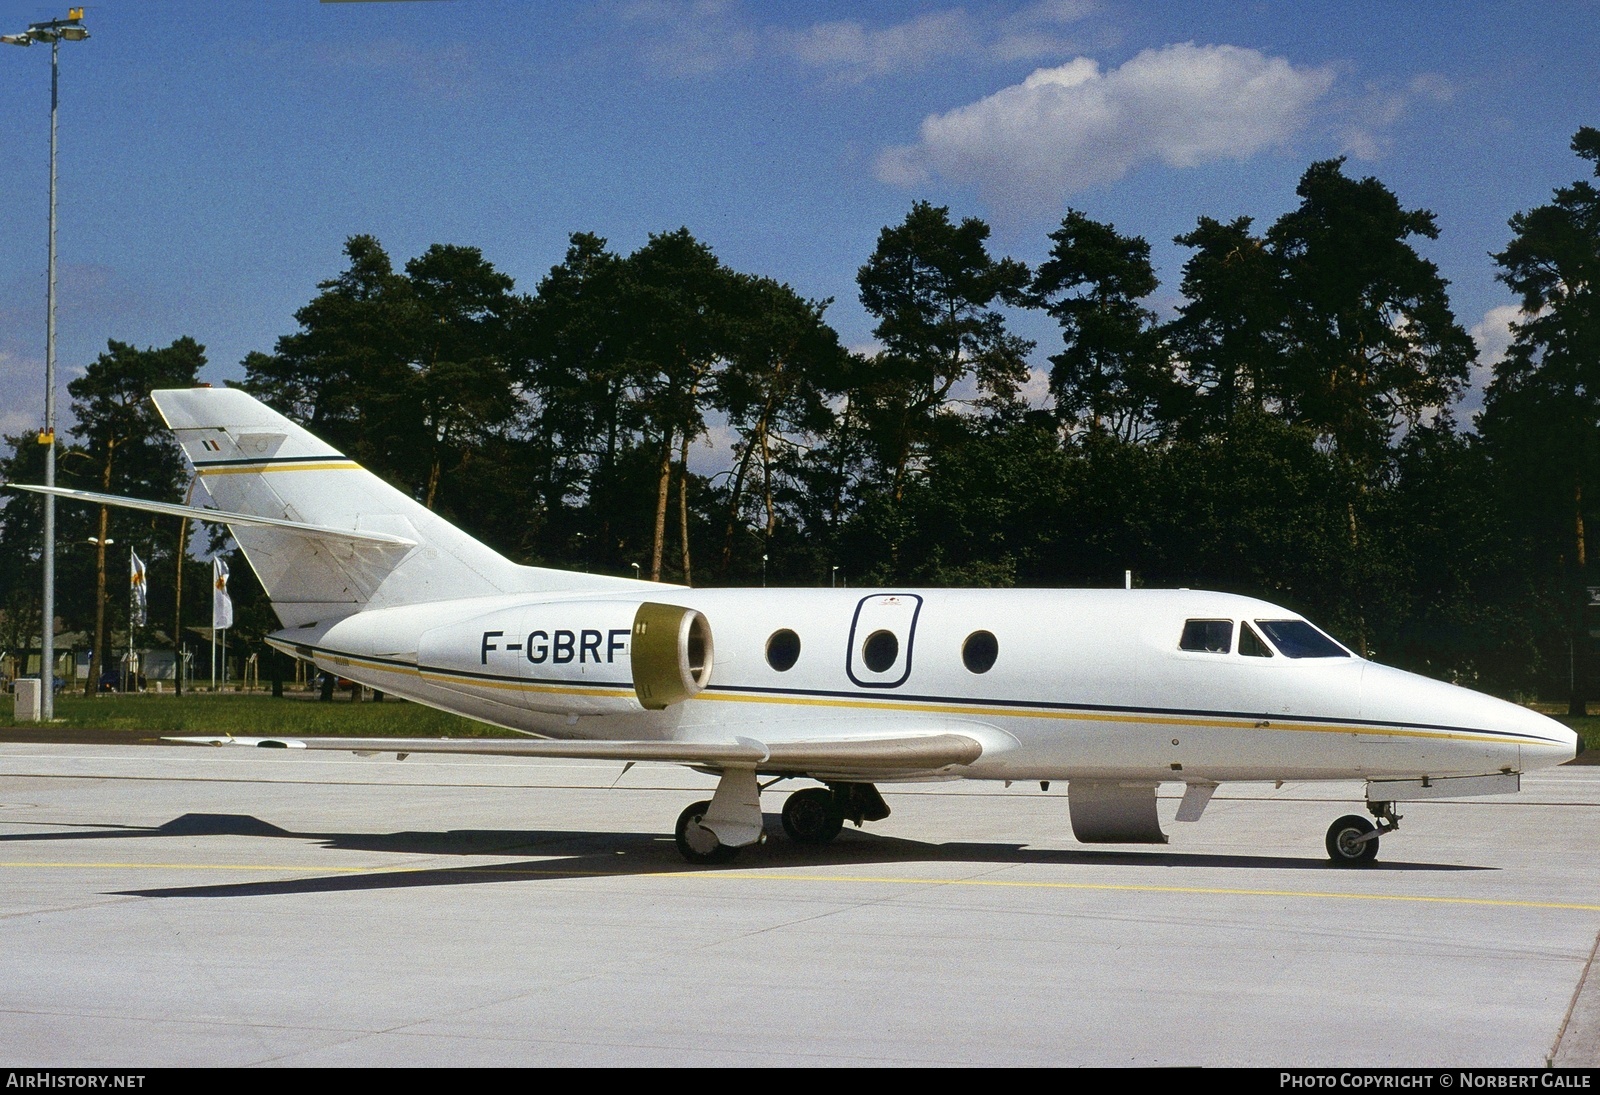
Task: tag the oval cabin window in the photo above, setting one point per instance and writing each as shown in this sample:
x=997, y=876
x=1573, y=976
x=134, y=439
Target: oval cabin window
x=783, y=650
x=979, y=651
x=880, y=650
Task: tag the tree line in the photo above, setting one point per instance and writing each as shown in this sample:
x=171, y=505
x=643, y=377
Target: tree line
x=1287, y=432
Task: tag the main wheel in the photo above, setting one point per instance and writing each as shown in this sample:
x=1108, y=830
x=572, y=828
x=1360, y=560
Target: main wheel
x=810, y=817
x=1345, y=846
x=696, y=843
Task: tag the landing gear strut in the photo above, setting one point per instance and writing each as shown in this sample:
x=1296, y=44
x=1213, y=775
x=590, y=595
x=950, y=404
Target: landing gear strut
x=714, y=831
x=1353, y=840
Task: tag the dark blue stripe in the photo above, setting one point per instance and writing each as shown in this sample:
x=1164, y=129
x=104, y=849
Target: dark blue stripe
x=965, y=701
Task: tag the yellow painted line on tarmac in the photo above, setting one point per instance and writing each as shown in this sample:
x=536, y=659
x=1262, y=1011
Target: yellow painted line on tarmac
x=1211, y=891
x=877, y=880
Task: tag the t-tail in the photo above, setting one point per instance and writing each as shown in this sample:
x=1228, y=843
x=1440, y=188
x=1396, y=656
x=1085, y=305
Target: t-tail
x=253, y=460
x=326, y=537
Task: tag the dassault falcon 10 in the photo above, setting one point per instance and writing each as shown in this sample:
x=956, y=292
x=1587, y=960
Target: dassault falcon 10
x=1113, y=691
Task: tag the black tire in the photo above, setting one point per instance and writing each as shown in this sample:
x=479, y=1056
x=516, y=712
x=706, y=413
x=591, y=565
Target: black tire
x=693, y=839
x=811, y=817
x=1342, y=839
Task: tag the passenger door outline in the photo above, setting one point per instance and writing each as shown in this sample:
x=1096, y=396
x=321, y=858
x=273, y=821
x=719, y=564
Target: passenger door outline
x=893, y=612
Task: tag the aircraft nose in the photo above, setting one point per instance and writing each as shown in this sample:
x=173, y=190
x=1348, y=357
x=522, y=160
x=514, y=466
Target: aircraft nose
x=1546, y=742
x=1396, y=695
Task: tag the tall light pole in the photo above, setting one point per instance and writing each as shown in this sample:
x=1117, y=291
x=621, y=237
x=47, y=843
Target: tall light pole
x=72, y=29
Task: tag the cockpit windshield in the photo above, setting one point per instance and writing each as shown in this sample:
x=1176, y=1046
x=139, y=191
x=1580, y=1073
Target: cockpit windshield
x=1298, y=639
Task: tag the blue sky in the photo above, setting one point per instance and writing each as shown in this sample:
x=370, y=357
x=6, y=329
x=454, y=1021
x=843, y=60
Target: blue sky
x=215, y=156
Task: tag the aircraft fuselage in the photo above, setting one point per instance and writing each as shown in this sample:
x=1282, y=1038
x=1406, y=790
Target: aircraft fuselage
x=1062, y=684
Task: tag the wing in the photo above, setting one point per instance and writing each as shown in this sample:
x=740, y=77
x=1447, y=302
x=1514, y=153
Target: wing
x=853, y=758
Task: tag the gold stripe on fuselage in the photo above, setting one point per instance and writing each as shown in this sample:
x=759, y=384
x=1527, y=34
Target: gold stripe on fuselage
x=264, y=468
x=1207, y=722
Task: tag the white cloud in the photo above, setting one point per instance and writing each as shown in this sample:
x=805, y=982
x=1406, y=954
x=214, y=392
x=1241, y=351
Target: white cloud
x=712, y=451
x=857, y=52
x=1034, y=32
x=699, y=37
x=1072, y=127
x=1035, y=391
x=694, y=38
x=1431, y=85
x=1492, y=334
x=1384, y=106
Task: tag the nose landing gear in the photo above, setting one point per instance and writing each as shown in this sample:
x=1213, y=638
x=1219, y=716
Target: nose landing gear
x=1352, y=841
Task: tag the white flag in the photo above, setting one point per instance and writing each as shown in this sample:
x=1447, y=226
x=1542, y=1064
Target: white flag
x=221, y=603
x=137, y=603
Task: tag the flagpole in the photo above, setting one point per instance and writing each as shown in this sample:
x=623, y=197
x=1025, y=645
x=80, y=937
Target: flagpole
x=221, y=617
x=133, y=596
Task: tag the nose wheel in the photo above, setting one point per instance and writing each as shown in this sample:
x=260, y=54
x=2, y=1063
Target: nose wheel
x=1353, y=840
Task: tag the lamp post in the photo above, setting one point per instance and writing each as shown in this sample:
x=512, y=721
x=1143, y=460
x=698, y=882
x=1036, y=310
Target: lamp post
x=54, y=31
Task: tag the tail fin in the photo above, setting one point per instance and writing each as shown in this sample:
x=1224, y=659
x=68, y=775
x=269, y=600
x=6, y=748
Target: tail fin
x=253, y=460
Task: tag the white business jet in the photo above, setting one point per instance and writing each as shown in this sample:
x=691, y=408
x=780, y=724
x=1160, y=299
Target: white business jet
x=1114, y=691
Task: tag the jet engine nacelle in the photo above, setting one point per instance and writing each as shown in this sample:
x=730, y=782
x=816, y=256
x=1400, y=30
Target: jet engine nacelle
x=574, y=657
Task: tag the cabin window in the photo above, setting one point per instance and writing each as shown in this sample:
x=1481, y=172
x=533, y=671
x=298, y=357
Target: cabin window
x=1212, y=636
x=979, y=651
x=783, y=650
x=880, y=650
x=1250, y=644
x=1298, y=639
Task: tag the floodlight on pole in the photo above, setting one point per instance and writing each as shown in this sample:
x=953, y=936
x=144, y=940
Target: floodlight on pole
x=53, y=31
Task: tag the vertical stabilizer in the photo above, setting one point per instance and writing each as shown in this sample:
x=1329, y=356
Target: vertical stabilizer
x=253, y=460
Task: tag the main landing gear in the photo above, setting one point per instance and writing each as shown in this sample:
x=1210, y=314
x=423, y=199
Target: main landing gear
x=1352, y=841
x=696, y=843
x=707, y=832
x=817, y=814
x=810, y=816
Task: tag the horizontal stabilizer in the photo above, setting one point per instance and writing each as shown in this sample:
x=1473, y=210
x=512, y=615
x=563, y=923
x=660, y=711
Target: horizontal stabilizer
x=218, y=516
x=902, y=754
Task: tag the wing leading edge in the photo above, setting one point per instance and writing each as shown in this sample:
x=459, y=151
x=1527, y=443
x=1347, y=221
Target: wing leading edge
x=871, y=757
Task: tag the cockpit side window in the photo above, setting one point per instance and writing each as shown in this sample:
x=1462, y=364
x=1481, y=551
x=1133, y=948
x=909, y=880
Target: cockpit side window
x=1211, y=636
x=1250, y=644
x=1298, y=639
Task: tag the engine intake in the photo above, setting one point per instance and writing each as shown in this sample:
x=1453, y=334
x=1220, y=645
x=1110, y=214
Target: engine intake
x=671, y=654
x=579, y=657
